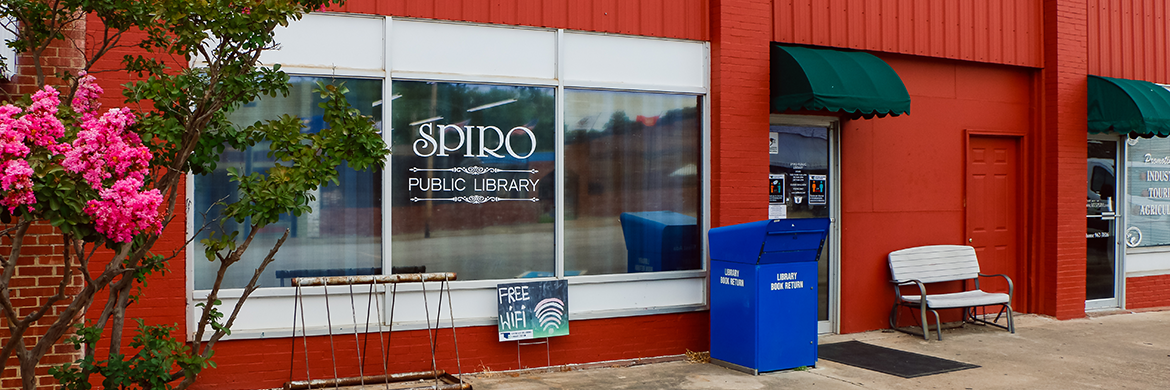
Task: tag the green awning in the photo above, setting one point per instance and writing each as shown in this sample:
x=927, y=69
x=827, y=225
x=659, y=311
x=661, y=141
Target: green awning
x=839, y=81
x=1134, y=107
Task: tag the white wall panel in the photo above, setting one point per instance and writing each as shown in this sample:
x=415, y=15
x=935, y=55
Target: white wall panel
x=1147, y=264
x=271, y=315
x=639, y=62
x=442, y=48
x=328, y=41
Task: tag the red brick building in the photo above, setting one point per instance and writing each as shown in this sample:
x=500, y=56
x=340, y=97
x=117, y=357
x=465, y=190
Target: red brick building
x=604, y=109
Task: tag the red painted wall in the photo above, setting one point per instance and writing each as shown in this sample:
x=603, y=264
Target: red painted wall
x=266, y=363
x=994, y=31
x=903, y=178
x=164, y=297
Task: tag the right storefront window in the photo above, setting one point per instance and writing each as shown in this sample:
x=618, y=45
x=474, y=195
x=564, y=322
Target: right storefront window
x=632, y=189
x=1147, y=193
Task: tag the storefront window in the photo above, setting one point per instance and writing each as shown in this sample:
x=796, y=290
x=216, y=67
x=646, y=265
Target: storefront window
x=471, y=179
x=341, y=236
x=631, y=182
x=1147, y=193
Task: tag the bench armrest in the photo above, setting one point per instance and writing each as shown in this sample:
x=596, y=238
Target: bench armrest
x=911, y=282
x=1011, y=286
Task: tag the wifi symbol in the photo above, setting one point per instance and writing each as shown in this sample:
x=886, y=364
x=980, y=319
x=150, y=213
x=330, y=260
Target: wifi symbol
x=550, y=313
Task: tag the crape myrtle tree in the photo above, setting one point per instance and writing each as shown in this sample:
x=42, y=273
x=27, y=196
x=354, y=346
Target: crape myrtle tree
x=108, y=180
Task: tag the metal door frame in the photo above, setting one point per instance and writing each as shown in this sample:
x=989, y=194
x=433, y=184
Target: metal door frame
x=833, y=325
x=1119, y=174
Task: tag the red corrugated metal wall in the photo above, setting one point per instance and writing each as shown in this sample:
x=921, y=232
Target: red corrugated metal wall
x=994, y=31
x=1127, y=39
x=903, y=178
x=684, y=19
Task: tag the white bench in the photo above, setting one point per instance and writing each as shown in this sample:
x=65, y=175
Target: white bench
x=920, y=266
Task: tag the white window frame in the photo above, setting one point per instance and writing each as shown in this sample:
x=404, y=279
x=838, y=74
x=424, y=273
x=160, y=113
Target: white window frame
x=268, y=311
x=8, y=71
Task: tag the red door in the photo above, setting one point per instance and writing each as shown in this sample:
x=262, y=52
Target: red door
x=993, y=199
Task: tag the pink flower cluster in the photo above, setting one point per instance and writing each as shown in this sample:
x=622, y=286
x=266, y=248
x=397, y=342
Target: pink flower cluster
x=40, y=120
x=40, y=125
x=85, y=101
x=16, y=180
x=104, y=149
x=124, y=210
x=107, y=155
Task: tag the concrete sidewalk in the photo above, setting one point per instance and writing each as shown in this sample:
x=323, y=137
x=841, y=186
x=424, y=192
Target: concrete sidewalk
x=1116, y=351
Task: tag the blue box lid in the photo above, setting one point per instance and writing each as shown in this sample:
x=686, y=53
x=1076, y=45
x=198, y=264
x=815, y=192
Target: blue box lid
x=769, y=241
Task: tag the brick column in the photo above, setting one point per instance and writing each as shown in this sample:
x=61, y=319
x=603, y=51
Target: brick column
x=1058, y=258
x=741, y=32
x=41, y=266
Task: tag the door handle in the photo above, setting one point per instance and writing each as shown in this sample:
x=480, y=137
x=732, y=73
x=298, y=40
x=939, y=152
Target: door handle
x=970, y=240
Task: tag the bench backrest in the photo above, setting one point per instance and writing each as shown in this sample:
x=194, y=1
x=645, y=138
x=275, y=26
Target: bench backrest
x=934, y=263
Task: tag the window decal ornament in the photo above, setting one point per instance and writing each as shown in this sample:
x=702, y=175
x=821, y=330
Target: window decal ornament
x=474, y=170
x=474, y=199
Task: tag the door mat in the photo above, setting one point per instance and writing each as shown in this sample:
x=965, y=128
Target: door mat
x=886, y=360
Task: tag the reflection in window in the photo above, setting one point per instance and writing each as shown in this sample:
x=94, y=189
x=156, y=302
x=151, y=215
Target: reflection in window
x=632, y=182
x=343, y=233
x=471, y=179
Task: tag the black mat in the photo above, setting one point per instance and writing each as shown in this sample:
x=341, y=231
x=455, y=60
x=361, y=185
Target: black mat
x=886, y=360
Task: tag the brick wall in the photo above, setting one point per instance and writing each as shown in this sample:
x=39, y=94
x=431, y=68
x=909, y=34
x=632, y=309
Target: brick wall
x=39, y=272
x=1147, y=291
x=741, y=35
x=41, y=266
x=1058, y=258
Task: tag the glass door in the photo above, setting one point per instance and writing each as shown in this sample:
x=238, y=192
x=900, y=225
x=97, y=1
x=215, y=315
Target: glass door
x=802, y=184
x=1101, y=236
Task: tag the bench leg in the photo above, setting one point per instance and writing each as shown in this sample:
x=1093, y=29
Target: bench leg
x=1011, y=322
x=937, y=324
x=924, y=325
x=972, y=315
x=894, y=317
